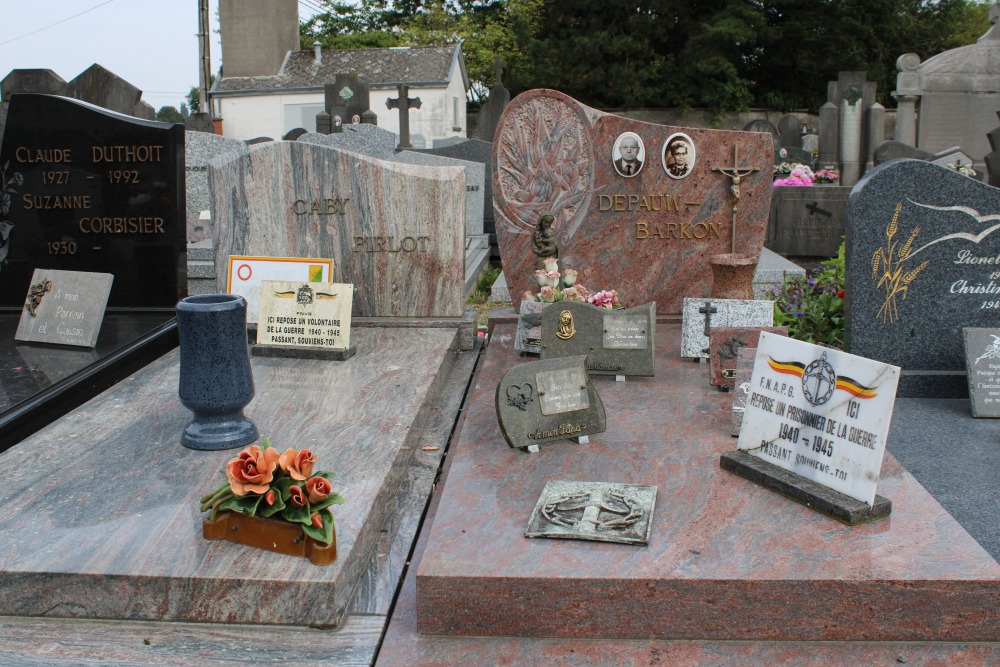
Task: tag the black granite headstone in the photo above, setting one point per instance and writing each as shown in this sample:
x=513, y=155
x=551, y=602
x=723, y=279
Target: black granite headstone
x=807, y=222
x=346, y=97
x=86, y=189
x=545, y=401
x=982, y=360
x=923, y=261
x=616, y=342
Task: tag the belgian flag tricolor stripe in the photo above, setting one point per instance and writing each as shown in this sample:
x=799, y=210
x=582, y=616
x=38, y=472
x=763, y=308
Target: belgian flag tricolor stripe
x=850, y=385
x=786, y=367
x=854, y=387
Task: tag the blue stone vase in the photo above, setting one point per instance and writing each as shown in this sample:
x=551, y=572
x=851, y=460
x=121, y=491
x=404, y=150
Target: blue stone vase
x=216, y=382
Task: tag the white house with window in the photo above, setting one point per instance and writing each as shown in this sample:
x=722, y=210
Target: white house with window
x=270, y=106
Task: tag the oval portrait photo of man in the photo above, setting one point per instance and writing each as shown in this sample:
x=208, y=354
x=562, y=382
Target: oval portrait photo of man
x=629, y=154
x=678, y=155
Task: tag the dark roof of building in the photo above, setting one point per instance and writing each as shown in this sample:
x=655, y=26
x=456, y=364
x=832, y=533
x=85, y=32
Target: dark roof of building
x=413, y=65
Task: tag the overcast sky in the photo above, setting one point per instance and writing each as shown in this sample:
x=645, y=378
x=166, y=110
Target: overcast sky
x=149, y=43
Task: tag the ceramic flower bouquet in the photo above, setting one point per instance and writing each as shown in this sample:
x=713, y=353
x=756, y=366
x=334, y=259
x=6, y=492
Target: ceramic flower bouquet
x=555, y=286
x=261, y=482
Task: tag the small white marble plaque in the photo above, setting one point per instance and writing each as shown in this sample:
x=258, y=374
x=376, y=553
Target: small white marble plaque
x=563, y=390
x=246, y=274
x=305, y=314
x=64, y=307
x=982, y=361
x=819, y=412
x=700, y=314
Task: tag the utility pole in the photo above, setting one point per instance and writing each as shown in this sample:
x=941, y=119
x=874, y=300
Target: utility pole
x=205, y=55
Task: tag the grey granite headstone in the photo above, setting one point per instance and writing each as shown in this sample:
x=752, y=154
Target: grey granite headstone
x=447, y=141
x=388, y=227
x=762, y=125
x=597, y=511
x=699, y=315
x=201, y=149
x=982, y=360
x=43, y=81
x=475, y=184
x=807, y=222
x=923, y=262
x=105, y=89
x=370, y=140
x=528, y=335
x=793, y=155
x=894, y=150
x=790, y=131
x=475, y=150
x=616, y=342
x=546, y=401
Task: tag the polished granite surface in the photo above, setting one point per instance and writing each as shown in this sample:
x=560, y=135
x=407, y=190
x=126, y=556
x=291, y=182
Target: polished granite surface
x=727, y=559
x=29, y=368
x=103, y=517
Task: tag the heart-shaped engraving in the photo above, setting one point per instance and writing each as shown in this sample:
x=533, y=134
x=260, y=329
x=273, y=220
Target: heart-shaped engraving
x=520, y=396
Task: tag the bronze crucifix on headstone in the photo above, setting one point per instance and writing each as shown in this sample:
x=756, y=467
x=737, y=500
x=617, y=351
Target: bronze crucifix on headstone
x=404, y=103
x=735, y=173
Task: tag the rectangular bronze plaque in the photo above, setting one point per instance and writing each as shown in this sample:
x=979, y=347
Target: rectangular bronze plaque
x=563, y=390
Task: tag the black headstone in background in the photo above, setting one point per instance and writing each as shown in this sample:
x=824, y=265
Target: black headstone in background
x=923, y=261
x=346, y=97
x=92, y=190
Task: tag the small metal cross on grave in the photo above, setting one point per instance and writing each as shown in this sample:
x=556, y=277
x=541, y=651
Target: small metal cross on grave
x=404, y=103
x=735, y=173
x=707, y=310
x=498, y=68
x=814, y=208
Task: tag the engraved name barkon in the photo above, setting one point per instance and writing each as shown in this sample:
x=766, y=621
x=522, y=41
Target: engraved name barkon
x=564, y=429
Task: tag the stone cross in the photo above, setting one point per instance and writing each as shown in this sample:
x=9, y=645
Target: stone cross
x=498, y=68
x=404, y=103
x=735, y=173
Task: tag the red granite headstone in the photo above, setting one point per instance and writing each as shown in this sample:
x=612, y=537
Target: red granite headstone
x=638, y=207
x=724, y=348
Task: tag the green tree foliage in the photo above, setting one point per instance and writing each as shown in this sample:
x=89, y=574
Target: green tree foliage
x=169, y=115
x=720, y=54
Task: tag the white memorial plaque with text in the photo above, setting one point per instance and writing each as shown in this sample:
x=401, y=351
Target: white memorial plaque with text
x=821, y=413
x=246, y=274
x=305, y=314
x=64, y=307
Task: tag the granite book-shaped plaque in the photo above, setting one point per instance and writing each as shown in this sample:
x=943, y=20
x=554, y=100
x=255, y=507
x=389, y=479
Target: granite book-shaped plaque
x=304, y=320
x=982, y=359
x=597, y=511
x=64, y=307
x=741, y=389
x=922, y=249
x=726, y=343
x=639, y=206
x=700, y=315
x=820, y=414
x=86, y=189
x=528, y=335
x=615, y=342
x=543, y=401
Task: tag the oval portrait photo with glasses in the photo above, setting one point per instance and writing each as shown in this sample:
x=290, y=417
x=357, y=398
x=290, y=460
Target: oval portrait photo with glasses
x=628, y=154
x=678, y=155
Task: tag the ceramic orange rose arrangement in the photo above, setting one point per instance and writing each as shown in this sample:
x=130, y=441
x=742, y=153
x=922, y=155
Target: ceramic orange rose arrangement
x=274, y=491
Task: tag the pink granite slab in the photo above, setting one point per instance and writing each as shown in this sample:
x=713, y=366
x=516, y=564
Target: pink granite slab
x=403, y=646
x=648, y=236
x=726, y=560
x=101, y=512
